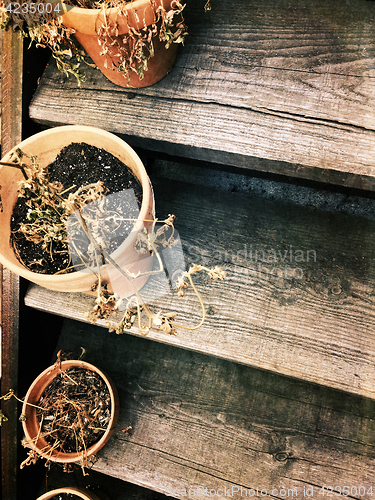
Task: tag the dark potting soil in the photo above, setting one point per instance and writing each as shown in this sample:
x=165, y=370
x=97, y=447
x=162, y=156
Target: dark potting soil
x=76, y=410
x=79, y=164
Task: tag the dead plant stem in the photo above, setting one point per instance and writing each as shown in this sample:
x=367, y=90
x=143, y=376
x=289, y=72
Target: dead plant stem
x=11, y=394
x=20, y=166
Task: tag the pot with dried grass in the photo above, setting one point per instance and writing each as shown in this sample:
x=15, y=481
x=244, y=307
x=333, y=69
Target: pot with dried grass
x=46, y=146
x=69, y=397
x=133, y=42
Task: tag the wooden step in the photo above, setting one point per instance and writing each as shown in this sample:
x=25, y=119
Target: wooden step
x=298, y=299
x=282, y=87
x=206, y=427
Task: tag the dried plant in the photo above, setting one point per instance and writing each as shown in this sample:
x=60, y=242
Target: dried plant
x=48, y=219
x=46, y=29
x=150, y=241
x=49, y=210
x=73, y=412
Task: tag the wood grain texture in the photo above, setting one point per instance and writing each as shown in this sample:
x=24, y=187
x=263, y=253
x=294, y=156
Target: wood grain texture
x=314, y=320
x=11, y=127
x=285, y=87
x=11, y=94
x=1, y=63
x=200, y=422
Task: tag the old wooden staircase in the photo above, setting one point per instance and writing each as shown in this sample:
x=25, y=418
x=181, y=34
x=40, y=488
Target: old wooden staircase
x=268, y=115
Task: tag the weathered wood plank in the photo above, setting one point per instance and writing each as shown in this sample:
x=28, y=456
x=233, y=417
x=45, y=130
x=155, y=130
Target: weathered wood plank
x=200, y=422
x=285, y=87
x=1, y=63
x=11, y=127
x=298, y=298
x=11, y=83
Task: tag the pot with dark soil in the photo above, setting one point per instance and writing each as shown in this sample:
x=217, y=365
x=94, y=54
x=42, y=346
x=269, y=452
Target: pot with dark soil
x=68, y=493
x=101, y=200
x=69, y=413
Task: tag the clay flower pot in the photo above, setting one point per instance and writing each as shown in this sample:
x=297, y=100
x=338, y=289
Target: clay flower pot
x=47, y=145
x=31, y=425
x=85, y=495
x=138, y=13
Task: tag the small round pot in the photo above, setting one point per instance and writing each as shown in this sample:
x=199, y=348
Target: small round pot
x=31, y=425
x=83, y=494
x=47, y=145
x=138, y=13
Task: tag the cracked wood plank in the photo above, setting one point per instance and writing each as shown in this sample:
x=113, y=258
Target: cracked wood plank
x=313, y=321
x=283, y=87
x=201, y=422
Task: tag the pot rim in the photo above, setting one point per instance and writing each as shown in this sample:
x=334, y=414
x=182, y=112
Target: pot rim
x=85, y=495
x=95, y=12
x=33, y=394
x=138, y=14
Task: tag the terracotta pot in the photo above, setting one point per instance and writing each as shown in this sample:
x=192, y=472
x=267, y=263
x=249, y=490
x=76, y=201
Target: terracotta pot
x=84, y=494
x=47, y=145
x=138, y=13
x=31, y=425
